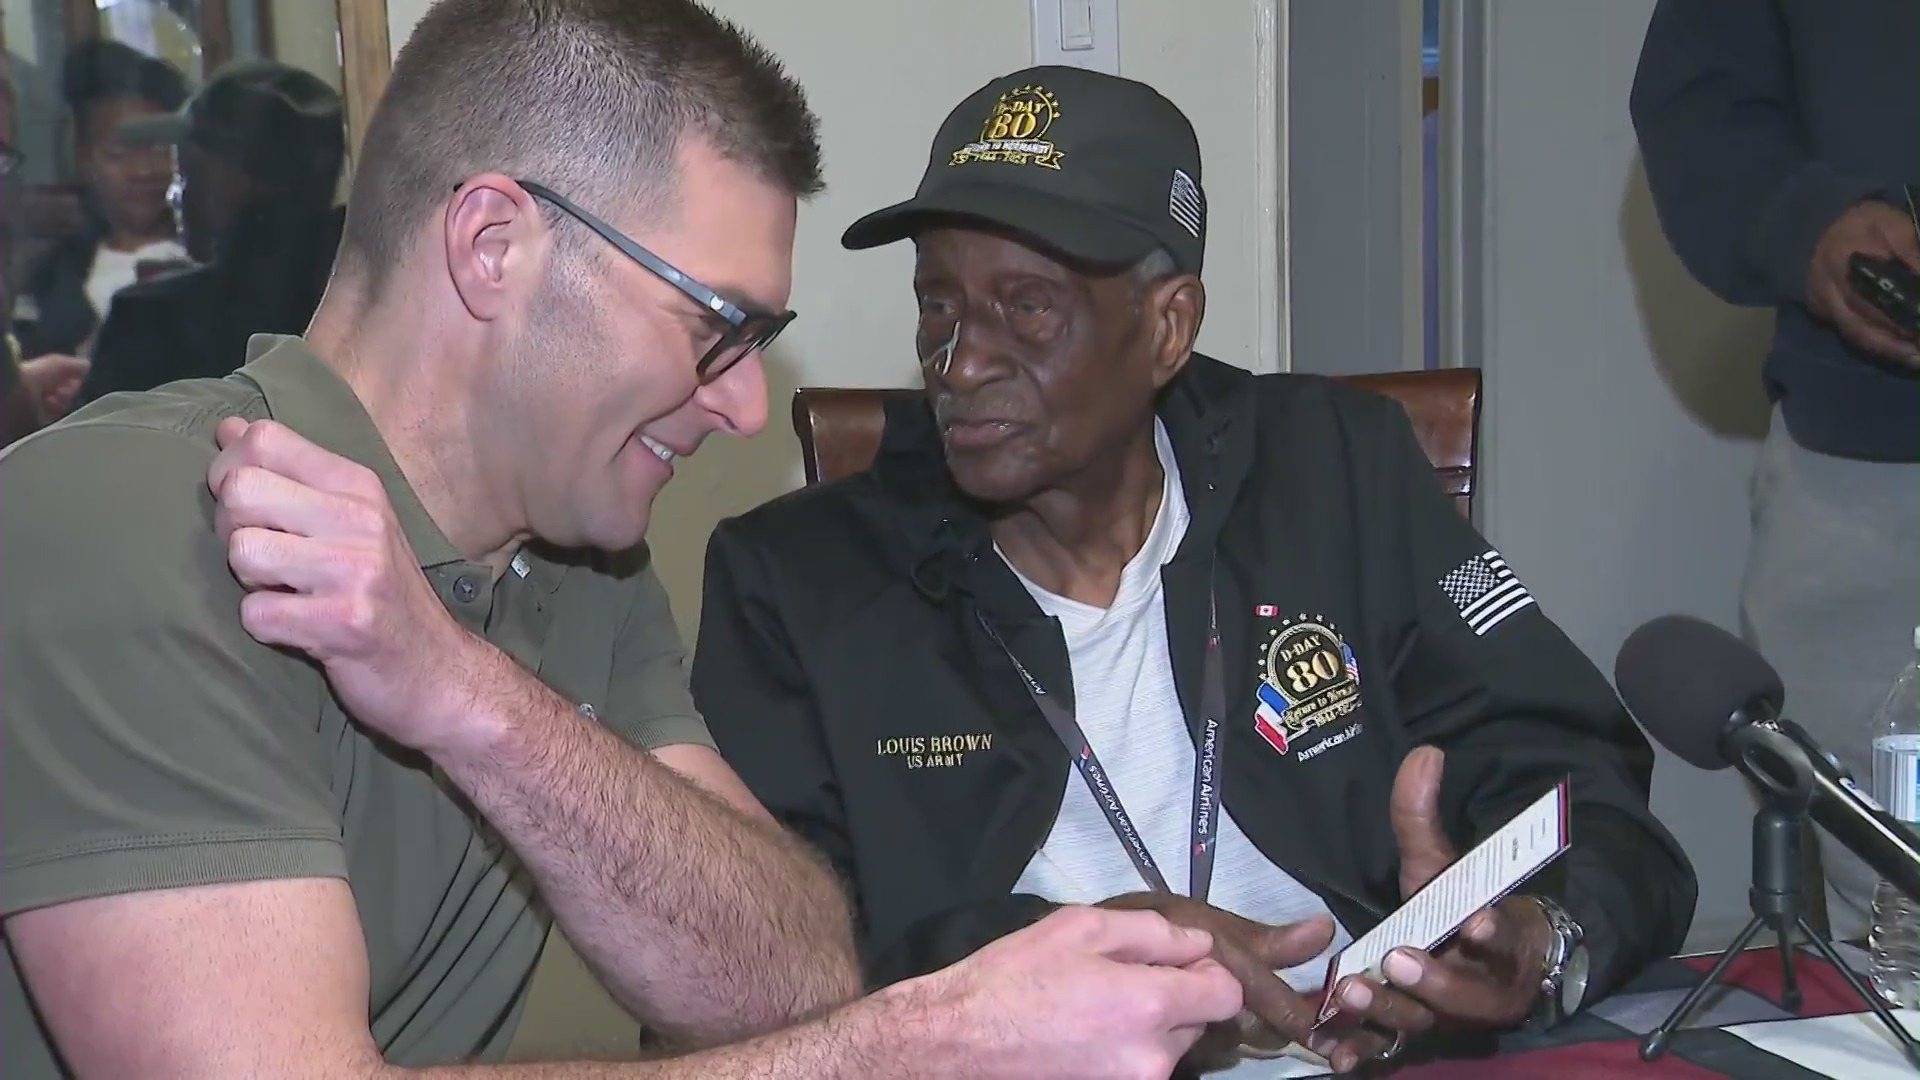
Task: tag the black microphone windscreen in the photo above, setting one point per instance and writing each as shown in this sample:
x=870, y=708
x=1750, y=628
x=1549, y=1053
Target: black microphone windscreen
x=1683, y=677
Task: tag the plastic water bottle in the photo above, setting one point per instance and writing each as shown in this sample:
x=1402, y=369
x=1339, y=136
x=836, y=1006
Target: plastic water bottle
x=1895, y=938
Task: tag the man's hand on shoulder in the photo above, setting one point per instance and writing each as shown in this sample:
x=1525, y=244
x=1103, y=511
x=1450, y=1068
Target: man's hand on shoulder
x=1878, y=230
x=328, y=571
x=606, y=830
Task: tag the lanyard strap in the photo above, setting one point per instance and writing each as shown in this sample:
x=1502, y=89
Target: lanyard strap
x=1206, y=786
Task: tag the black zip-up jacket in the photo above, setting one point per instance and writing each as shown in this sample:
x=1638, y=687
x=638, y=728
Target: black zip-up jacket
x=57, y=283
x=195, y=324
x=1761, y=122
x=845, y=673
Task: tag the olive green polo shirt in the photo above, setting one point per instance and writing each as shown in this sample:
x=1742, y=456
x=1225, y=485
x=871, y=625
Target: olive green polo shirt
x=148, y=742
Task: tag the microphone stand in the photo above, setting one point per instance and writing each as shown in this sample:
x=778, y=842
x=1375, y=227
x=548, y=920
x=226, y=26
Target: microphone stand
x=1775, y=897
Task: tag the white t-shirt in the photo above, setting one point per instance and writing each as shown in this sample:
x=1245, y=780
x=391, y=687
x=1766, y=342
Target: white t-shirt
x=1128, y=709
x=115, y=270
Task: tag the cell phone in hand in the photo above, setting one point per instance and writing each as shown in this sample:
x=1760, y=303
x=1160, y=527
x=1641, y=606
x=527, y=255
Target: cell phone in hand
x=1891, y=287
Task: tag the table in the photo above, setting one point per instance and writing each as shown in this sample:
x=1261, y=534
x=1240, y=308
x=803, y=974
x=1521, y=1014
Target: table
x=1603, y=1043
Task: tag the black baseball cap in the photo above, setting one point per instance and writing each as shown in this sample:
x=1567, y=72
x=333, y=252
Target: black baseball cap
x=1100, y=169
x=274, y=120
x=101, y=68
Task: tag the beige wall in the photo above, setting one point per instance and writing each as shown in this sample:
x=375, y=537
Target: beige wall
x=1622, y=400
x=307, y=35
x=21, y=39
x=882, y=74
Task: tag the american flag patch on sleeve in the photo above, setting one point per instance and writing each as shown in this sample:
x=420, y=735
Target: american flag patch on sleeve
x=1485, y=591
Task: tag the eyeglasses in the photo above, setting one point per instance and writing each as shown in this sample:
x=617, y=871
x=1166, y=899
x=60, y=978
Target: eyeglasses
x=746, y=332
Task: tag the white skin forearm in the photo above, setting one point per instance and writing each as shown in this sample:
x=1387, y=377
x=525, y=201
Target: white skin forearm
x=864, y=1041
x=706, y=924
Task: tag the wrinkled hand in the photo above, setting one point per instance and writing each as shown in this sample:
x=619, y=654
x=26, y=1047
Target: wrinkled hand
x=1083, y=994
x=53, y=380
x=1487, y=976
x=1871, y=228
x=314, y=540
x=1274, y=1013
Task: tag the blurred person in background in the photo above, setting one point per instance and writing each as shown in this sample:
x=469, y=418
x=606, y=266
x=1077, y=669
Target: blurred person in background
x=1778, y=138
x=257, y=159
x=69, y=288
x=29, y=392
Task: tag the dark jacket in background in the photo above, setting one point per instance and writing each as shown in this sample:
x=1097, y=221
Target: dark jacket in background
x=56, y=283
x=195, y=323
x=94, y=70
x=19, y=413
x=841, y=630
x=1761, y=121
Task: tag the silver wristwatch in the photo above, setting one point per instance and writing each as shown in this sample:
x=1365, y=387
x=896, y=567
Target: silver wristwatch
x=1563, y=981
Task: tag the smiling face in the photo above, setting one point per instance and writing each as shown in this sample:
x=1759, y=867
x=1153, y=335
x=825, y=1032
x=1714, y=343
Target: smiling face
x=1052, y=372
x=600, y=388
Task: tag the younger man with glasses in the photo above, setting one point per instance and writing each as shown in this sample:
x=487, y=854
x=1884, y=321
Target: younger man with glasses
x=325, y=670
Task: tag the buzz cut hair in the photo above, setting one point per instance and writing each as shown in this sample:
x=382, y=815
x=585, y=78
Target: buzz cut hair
x=592, y=98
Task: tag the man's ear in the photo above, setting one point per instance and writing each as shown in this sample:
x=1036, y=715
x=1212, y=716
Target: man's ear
x=497, y=244
x=1176, y=305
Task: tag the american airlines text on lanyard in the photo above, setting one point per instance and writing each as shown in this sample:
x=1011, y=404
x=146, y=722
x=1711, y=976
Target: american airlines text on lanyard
x=1206, y=785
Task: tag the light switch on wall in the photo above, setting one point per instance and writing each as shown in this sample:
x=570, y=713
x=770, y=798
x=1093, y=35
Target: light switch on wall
x=1077, y=33
x=1076, y=25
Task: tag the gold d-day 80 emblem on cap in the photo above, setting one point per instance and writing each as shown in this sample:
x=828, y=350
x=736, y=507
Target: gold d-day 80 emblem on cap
x=1015, y=132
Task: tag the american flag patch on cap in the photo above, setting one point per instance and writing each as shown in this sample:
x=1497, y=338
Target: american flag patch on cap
x=1485, y=591
x=1185, y=204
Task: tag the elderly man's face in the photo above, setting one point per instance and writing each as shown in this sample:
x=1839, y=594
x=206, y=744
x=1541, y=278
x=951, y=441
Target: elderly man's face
x=1051, y=371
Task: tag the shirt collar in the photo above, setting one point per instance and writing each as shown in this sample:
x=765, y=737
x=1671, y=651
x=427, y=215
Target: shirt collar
x=542, y=568
x=303, y=392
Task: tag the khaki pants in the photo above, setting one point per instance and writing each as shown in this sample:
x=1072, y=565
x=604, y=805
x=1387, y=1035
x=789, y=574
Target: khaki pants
x=1831, y=598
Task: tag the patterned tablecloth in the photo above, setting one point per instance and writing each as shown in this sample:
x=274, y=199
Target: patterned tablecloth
x=1604, y=1042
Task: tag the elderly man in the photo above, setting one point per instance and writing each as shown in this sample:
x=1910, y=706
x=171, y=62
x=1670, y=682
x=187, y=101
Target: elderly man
x=1099, y=552
x=324, y=689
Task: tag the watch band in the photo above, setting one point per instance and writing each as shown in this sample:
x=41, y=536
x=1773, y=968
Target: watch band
x=1563, y=979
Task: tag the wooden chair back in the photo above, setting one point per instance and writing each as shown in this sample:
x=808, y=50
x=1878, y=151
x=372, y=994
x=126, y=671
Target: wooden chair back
x=840, y=428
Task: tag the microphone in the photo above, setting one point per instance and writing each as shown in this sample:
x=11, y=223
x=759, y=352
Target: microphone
x=1715, y=702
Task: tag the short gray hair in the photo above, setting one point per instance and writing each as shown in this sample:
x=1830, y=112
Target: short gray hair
x=1155, y=265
